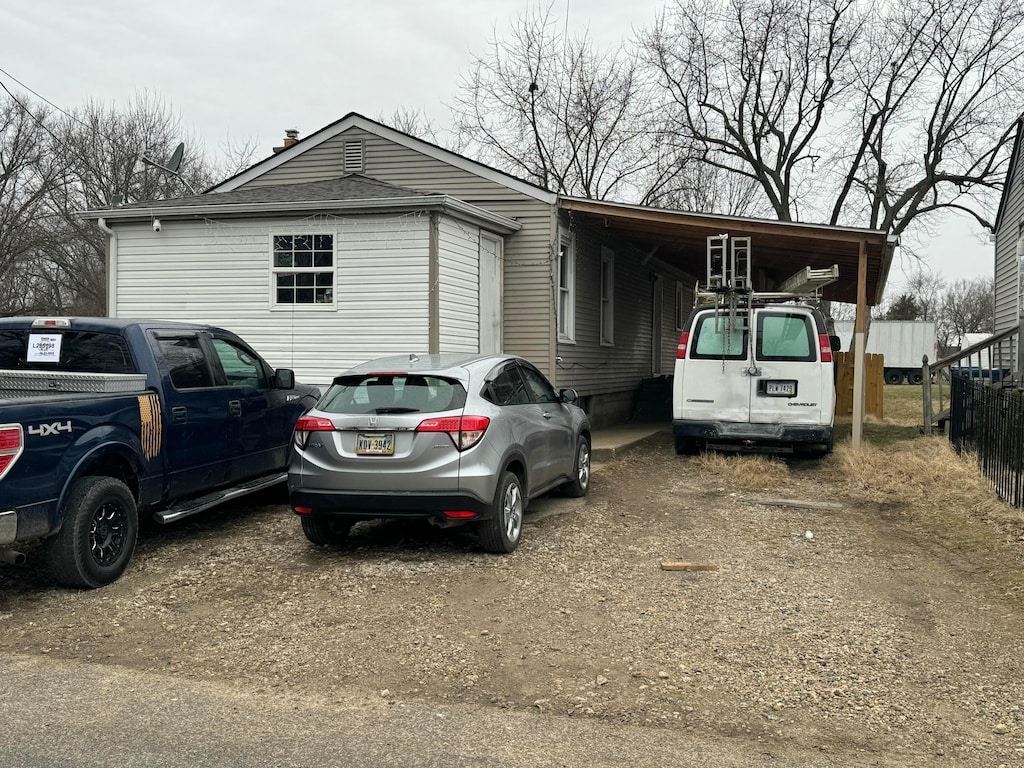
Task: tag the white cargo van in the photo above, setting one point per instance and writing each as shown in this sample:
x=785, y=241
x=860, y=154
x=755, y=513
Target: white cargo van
x=770, y=391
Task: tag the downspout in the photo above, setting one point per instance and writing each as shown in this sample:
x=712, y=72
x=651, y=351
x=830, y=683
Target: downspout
x=434, y=291
x=111, y=266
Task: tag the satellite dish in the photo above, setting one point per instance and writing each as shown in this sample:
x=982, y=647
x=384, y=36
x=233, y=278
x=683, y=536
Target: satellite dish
x=175, y=161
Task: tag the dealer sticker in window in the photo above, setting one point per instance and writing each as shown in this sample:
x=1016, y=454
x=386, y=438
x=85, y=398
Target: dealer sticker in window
x=780, y=388
x=375, y=443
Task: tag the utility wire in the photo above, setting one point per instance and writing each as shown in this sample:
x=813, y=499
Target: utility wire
x=55, y=106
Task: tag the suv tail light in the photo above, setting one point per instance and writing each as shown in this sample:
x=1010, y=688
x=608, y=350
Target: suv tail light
x=12, y=443
x=307, y=424
x=684, y=342
x=465, y=431
x=825, y=345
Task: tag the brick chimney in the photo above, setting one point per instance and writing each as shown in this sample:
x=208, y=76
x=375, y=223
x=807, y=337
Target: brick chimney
x=291, y=136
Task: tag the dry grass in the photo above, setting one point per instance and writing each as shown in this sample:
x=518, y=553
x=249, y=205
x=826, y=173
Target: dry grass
x=923, y=471
x=895, y=464
x=745, y=473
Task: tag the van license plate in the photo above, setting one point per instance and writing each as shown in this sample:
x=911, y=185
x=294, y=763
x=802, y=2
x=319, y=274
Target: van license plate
x=780, y=388
x=375, y=443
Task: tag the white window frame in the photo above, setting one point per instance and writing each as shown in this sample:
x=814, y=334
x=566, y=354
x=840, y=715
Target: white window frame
x=565, y=286
x=276, y=270
x=680, y=314
x=606, y=322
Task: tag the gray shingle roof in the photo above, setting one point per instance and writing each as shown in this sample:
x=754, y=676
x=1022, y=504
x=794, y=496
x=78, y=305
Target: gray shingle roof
x=352, y=186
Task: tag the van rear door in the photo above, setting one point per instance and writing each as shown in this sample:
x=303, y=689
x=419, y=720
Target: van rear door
x=790, y=383
x=715, y=384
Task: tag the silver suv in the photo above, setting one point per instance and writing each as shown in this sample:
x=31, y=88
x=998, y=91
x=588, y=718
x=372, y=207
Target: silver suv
x=451, y=438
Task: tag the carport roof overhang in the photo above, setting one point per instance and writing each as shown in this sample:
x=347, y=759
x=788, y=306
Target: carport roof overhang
x=778, y=248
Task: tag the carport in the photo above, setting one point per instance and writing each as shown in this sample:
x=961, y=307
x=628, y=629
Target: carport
x=778, y=249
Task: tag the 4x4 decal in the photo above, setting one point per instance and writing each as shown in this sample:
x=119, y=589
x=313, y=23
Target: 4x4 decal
x=53, y=428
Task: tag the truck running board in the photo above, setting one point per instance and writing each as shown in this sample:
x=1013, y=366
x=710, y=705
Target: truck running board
x=192, y=506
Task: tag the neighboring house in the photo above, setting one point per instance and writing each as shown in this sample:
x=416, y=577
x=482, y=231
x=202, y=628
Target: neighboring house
x=360, y=241
x=1009, y=242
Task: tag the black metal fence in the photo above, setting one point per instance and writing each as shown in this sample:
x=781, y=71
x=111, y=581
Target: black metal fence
x=988, y=421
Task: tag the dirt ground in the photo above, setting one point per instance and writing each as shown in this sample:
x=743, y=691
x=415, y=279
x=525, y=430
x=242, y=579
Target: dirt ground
x=877, y=628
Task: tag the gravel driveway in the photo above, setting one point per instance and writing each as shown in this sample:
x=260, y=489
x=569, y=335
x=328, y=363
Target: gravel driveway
x=880, y=633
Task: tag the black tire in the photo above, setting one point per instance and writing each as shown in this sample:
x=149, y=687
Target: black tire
x=502, y=532
x=326, y=531
x=894, y=377
x=915, y=377
x=580, y=483
x=97, y=539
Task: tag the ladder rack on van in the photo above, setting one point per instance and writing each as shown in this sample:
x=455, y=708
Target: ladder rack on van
x=729, y=277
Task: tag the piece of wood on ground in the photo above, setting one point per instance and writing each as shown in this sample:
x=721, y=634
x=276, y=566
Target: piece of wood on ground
x=685, y=566
x=794, y=503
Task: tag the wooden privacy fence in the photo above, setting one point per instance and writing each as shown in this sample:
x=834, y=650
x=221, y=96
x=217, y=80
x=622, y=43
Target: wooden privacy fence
x=873, y=383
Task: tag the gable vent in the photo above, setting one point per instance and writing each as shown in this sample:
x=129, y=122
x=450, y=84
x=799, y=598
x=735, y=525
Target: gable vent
x=354, y=160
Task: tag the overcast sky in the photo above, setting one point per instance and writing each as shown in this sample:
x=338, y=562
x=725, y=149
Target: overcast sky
x=239, y=70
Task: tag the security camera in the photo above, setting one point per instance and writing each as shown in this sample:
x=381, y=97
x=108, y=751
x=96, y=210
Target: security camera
x=156, y=225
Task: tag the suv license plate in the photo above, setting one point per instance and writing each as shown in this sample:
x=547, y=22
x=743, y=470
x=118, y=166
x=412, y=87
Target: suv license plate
x=780, y=388
x=375, y=443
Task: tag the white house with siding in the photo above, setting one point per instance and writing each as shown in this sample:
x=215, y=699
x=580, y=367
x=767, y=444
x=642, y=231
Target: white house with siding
x=360, y=241
x=1009, y=246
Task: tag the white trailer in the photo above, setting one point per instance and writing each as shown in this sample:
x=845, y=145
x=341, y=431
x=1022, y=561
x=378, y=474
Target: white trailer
x=902, y=344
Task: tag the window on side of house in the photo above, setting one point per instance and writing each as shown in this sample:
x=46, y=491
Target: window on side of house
x=607, y=296
x=566, y=287
x=303, y=270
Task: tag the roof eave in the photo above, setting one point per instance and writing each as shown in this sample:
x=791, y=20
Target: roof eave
x=458, y=208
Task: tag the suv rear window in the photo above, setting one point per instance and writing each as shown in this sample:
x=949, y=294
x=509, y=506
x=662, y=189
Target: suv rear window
x=393, y=393
x=785, y=336
x=720, y=338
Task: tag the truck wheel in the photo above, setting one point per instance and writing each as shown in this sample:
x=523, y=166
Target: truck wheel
x=502, y=532
x=580, y=483
x=97, y=539
x=915, y=377
x=326, y=531
x=894, y=377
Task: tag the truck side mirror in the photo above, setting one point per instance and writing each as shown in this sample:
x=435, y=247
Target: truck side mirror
x=284, y=378
x=836, y=343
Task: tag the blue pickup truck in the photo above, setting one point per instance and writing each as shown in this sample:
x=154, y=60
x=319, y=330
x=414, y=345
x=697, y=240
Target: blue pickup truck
x=103, y=419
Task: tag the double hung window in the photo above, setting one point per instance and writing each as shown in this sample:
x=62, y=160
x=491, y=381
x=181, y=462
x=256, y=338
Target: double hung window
x=303, y=270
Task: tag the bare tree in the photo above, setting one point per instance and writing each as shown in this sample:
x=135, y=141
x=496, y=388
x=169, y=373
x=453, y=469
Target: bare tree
x=54, y=166
x=416, y=122
x=968, y=306
x=558, y=112
x=29, y=176
x=870, y=115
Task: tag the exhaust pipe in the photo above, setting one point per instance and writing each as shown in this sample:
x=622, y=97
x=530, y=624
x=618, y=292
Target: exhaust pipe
x=11, y=557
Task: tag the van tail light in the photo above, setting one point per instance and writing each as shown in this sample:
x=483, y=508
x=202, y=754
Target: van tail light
x=825, y=344
x=307, y=424
x=12, y=443
x=684, y=342
x=465, y=431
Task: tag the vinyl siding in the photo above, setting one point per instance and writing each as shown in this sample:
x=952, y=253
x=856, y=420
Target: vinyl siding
x=390, y=162
x=459, y=286
x=593, y=368
x=1006, y=260
x=220, y=273
x=528, y=312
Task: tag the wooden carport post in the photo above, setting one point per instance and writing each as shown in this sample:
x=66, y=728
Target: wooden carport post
x=859, y=335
